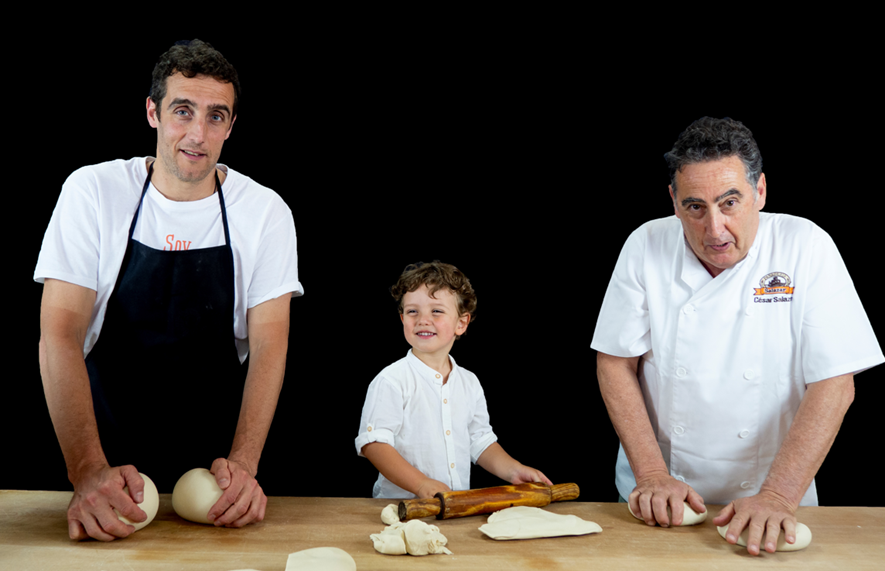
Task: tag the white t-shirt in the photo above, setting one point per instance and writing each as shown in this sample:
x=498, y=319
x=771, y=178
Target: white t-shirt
x=725, y=360
x=437, y=428
x=88, y=232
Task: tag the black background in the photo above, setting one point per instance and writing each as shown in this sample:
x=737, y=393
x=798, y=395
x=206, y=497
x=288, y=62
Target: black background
x=524, y=152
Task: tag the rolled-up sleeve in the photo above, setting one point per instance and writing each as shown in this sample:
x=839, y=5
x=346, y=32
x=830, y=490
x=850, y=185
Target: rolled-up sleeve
x=382, y=414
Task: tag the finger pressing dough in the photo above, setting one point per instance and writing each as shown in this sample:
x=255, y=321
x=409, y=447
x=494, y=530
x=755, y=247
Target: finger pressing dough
x=803, y=538
x=689, y=516
x=390, y=514
x=321, y=559
x=413, y=537
x=194, y=495
x=524, y=522
x=149, y=504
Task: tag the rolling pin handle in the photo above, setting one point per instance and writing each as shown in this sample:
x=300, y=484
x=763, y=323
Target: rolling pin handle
x=564, y=492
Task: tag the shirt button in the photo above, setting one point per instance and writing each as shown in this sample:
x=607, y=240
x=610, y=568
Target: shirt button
x=370, y=429
x=445, y=401
x=688, y=309
x=438, y=376
x=678, y=430
x=448, y=432
x=744, y=433
x=746, y=485
x=680, y=478
x=681, y=372
x=453, y=464
x=749, y=374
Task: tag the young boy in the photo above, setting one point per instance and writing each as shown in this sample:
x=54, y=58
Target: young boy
x=425, y=418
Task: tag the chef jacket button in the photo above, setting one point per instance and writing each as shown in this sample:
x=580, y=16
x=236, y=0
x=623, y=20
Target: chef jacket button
x=680, y=478
x=678, y=430
x=746, y=485
x=681, y=372
x=438, y=375
x=744, y=433
x=749, y=374
x=749, y=310
x=688, y=309
x=448, y=432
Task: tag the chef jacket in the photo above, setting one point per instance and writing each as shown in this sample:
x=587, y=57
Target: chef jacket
x=725, y=360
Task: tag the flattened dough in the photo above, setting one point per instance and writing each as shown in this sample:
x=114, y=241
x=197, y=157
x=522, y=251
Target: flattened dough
x=803, y=538
x=413, y=537
x=523, y=522
x=390, y=514
x=321, y=559
x=194, y=495
x=689, y=516
x=149, y=505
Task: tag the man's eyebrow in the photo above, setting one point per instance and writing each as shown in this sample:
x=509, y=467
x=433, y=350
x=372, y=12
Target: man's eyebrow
x=692, y=200
x=212, y=107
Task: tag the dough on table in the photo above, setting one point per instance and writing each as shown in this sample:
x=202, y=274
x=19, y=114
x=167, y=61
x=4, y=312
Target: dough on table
x=413, y=537
x=194, y=495
x=149, y=504
x=803, y=538
x=390, y=514
x=321, y=559
x=524, y=522
x=689, y=516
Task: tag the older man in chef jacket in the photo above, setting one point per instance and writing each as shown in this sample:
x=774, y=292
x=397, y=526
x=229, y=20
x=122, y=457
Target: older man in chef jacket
x=727, y=345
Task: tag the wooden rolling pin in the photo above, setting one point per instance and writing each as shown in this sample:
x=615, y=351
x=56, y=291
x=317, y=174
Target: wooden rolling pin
x=447, y=505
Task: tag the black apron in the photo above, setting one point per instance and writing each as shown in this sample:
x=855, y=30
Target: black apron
x=165, y=375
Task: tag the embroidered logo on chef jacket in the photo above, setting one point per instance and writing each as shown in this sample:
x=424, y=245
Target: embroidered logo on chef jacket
x=776, y=284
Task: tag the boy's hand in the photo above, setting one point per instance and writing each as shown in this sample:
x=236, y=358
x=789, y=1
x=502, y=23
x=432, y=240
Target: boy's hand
x=430, y=487
x=523, y=474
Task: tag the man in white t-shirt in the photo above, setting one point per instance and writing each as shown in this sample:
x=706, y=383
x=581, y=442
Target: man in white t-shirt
x=160, y=276
x=727, y=346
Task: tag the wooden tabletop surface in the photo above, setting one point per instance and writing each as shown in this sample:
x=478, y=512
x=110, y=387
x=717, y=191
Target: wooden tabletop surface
x=33, y=535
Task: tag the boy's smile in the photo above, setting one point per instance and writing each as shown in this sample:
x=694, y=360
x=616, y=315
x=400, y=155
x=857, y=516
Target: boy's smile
x=430, y=325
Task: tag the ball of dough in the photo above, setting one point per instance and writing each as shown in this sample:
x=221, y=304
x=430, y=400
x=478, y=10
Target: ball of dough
x=321, y=559
x=390, y=514
x=689, y=516
x=149, y=505
x=803, y=538
x=194, y=495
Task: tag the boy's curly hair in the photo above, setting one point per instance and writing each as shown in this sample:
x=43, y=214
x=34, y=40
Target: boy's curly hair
x=436, y=275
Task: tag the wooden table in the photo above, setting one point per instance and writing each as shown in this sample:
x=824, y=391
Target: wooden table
x=33, y=535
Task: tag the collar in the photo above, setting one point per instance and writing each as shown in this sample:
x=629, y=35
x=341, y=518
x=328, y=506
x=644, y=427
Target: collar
x=428, y=374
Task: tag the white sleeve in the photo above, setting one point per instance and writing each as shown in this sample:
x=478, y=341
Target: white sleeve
x=70, y=250
x=276, y=267
x=480, y=430
x=623, y=328
x=837, y=337
x=382, y=415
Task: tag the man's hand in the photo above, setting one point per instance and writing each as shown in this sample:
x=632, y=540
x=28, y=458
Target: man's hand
x=657, y=491
x=521, y=474
x=98, y=490
x=430, y=487
x=243, y=500
x=767, y=513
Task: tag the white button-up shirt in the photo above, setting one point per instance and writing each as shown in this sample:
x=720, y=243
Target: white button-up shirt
x=725, y=360
x=437, y=428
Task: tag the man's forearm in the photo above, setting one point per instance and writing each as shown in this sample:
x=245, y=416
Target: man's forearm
x=268, y=345
x=619, y=385
x=810, y=437
x=64, y=318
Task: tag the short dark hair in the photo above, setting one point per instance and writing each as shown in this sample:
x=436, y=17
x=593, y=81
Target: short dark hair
x=436, y=276
x=192, y=58
x=709, y=139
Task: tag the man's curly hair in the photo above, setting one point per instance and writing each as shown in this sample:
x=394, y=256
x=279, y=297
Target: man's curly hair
x=192, y=58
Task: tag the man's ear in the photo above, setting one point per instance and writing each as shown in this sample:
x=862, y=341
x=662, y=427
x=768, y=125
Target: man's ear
x=761, y=192
x=673, y=198
x=152, y=115
x=229, y=129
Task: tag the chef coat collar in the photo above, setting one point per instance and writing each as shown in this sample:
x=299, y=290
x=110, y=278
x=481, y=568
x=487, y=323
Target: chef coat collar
x=427, y=373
